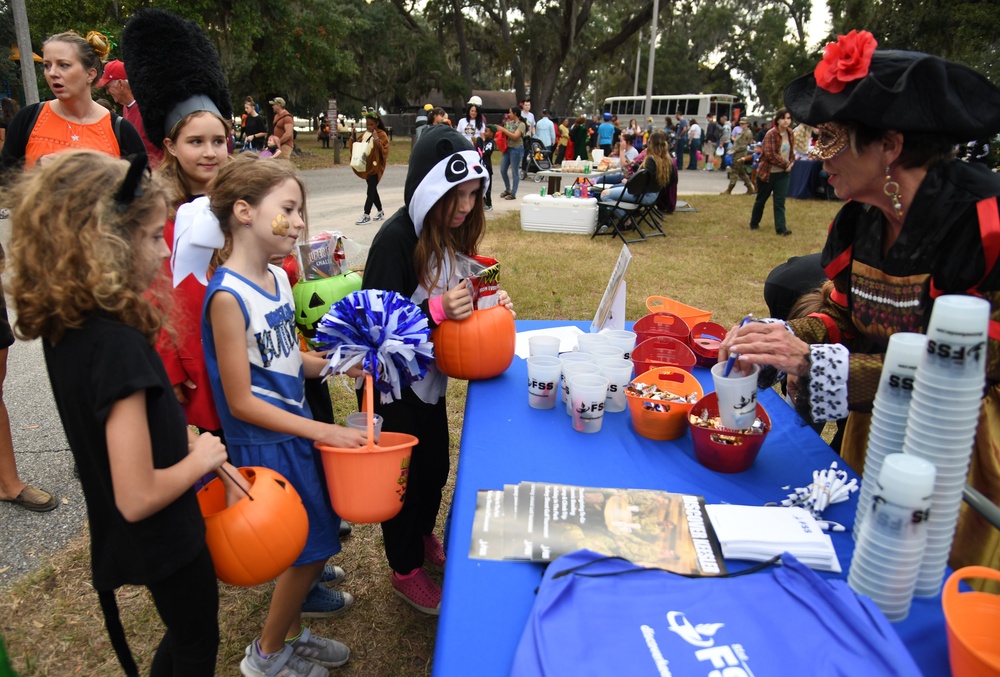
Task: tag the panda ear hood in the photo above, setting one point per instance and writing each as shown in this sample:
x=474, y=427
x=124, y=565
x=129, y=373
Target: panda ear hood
x=442, y=159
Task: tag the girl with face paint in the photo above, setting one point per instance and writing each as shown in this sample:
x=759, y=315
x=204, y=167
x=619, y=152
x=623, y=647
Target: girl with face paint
x=257, y=375
x=414, y=254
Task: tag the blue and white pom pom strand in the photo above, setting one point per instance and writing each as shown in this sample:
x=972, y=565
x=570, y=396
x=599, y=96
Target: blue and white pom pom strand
x=383, y=331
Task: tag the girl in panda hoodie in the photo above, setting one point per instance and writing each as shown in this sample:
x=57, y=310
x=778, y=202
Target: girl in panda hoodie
x=414, y=254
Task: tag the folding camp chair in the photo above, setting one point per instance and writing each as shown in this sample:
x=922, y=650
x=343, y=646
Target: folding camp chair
x=618, y=217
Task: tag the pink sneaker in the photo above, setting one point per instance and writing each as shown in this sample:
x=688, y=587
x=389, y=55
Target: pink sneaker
x=418, y=590
x=433, y=551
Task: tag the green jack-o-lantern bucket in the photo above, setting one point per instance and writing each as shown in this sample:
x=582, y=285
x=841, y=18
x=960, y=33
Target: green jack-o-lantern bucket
x=313, y=299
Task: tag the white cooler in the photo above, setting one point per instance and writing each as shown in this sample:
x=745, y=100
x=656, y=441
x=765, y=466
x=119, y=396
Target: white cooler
x=558, y=214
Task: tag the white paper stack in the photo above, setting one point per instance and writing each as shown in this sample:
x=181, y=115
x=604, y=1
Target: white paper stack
x=758, y=533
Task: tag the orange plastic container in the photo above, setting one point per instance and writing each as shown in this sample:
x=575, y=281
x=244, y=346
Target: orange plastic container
x=662, y=351
x=704, y=342
x=259, y=536
x=690, y=314
x=663, y=425
x=661, y=324
x=368, y=484
x=973, y=622
x=715, y=449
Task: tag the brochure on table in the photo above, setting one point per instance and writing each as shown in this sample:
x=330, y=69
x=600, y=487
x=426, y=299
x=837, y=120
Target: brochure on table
x=538, y=521
x=611, y=310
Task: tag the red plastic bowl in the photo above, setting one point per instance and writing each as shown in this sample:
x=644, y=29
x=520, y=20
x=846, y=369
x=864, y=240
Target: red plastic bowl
x=661, y=324
x=715, y=455
x=704, y=342
x=662, y=351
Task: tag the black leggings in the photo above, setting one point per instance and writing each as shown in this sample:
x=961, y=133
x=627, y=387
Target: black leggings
x=428, y=473
x=188, y=603
x=373, y=198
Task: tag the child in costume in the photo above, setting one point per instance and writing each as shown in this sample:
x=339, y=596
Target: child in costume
x=257, y=374
x=414, y=254
x=177, y=80
x=87, y=242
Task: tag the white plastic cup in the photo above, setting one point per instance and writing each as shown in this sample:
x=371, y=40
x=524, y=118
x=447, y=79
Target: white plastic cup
x=957, y=337
x=619, y=375
x=737, y=395
x=543, y=345
x=359, y=421
x=606, y=351
x=571, y=369
x=899, y=370
x=621, y=338
x=585, y=342
x=575, y=356
x=543, y=381
x=587, y=393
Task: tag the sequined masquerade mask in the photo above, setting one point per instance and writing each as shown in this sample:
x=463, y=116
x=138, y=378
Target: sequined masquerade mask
x=833, y=138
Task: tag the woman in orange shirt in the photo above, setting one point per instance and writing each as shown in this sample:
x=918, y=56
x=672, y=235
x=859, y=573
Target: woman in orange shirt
x=72, y=121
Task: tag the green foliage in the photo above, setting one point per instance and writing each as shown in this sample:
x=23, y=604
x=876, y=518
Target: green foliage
x=959, y=30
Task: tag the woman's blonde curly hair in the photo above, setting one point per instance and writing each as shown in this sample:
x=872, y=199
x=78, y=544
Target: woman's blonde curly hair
x=72, y=250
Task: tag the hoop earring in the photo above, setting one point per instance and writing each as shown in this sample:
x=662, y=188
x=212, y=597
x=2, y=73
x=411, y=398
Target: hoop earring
x=891, y=189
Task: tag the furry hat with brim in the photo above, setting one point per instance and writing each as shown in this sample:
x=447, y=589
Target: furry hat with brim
x=174, y=70
x=441, y=159
x=894, y=89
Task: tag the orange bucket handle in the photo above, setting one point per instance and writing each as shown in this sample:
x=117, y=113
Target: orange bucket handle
x=370, y=409
x=657, y=304
x=950, y=591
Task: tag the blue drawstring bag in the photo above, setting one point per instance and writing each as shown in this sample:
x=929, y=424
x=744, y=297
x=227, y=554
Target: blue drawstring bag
x=604, y=616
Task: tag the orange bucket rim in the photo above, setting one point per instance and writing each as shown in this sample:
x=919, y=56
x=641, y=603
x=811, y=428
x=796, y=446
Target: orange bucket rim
x=951, y=601
x=405, y=440
x=664, y=301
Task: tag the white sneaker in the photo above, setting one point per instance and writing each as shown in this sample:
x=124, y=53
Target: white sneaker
x=379, y=216
x=364, y=219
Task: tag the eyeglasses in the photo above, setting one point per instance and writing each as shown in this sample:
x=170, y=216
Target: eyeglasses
x=833, y=138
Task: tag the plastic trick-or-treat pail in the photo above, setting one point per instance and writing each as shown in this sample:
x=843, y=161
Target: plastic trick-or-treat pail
x=973, y=622
x=368, y=484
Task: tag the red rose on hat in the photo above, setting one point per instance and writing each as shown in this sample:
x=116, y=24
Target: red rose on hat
x=845, y=60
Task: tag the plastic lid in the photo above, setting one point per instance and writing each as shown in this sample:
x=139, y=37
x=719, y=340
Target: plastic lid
x=906, y=480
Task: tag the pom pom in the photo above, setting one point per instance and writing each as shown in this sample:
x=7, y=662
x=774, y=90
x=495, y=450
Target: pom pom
x=384, y=332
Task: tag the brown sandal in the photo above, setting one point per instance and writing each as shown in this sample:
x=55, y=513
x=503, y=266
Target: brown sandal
x=34, y=499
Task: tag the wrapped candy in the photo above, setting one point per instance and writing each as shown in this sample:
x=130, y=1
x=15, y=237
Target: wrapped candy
x=384, y=332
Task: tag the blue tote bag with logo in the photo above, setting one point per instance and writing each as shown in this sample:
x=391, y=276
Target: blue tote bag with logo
x=604, y=616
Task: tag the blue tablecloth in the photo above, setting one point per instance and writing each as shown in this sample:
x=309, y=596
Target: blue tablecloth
x=486, y=603
x=805, y=180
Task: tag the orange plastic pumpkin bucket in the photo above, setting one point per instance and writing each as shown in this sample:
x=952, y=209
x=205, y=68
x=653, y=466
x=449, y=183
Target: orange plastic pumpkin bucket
x=259, y=536
x=479, y=347
x=662, y=351
x=690, y=314
x=663, y=425
x=972, y=619
x=368, y=484
x=661, y=324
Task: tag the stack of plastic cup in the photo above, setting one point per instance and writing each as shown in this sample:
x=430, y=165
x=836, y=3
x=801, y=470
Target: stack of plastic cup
x=944, y=415
x=889, y=414
x=890, y=547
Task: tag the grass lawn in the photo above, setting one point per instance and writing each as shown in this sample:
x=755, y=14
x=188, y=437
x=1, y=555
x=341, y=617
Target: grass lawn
x=709, y=259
